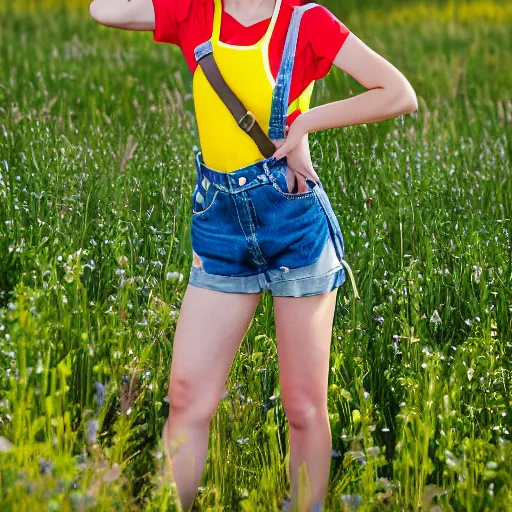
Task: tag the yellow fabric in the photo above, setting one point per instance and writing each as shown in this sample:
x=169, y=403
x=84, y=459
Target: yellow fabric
x=225, y=146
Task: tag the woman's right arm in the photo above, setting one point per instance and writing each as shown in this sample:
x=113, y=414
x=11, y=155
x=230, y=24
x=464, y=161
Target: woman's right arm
x=124, y=14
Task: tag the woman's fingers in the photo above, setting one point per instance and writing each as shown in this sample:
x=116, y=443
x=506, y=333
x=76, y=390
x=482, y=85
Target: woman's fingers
x=301, y=184
x=291, y=180
x=303, y=174
x=302, y=167
x=293, y=176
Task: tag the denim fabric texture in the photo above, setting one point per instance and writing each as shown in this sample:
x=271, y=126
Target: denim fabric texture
x=203, y=49
x=249, y=233
x=281, y=93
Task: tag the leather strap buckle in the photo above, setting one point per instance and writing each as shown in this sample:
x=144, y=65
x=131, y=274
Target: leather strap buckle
x=247, y=121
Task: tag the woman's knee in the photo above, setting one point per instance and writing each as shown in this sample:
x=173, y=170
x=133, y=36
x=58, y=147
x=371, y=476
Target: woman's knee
x=303, y=411
x=188, y=399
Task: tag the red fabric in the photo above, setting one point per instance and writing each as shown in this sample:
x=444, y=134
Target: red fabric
x=187, y=23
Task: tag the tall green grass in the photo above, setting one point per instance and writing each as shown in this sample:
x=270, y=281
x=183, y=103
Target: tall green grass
x=96, y=173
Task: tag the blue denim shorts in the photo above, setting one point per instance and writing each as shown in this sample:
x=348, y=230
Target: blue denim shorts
x=250, y=234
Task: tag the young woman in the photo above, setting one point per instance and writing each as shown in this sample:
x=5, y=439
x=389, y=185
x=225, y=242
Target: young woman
x=261, y=223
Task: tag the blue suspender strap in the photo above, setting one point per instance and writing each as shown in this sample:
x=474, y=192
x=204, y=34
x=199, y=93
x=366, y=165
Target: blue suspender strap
x=281, y=95
x=277, y=125
x=336, y=233
x=203, y=49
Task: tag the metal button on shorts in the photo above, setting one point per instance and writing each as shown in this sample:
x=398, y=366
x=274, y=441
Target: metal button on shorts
x=250, y=234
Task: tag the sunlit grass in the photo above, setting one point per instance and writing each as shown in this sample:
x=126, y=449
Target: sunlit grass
x=96, y=173
x=417, y=12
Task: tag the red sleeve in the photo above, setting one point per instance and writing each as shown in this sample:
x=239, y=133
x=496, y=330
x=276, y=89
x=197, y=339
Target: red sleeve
x=326, y=35
x=169, y=15
x=291, y=117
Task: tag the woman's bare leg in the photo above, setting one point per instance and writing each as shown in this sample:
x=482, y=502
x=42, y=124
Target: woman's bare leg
x=210, y=328
x=304, y=332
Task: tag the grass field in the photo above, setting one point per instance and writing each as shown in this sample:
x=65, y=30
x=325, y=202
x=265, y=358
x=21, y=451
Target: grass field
x=96, y=176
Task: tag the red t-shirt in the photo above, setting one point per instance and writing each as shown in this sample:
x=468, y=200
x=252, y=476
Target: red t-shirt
x=187, y=23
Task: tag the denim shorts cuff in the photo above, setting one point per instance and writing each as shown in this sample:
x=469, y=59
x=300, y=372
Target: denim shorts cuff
x=313, y=285
x=300, y=287
x=230, y=284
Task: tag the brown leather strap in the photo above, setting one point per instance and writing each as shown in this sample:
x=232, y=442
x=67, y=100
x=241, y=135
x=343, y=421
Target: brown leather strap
x=243, y=117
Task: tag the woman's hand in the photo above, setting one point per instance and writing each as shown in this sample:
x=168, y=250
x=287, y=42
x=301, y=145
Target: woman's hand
x=296, y=149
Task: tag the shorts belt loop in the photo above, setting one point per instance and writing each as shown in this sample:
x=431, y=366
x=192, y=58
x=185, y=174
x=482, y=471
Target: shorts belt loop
x=268, y=172
x=198, y=167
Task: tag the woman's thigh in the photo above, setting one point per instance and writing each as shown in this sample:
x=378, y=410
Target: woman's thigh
x=210, y=328
x=304, y=332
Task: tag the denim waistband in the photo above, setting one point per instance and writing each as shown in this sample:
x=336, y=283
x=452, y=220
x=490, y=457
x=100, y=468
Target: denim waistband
x=241, y=179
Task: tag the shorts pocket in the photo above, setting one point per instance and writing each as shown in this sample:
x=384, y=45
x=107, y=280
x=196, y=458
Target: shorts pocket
x=281, y=186
x=203, y=197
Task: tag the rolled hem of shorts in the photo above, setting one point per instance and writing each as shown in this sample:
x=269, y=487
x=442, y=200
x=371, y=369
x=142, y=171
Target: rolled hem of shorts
x=228, y=284
x=307, y=286
x=301, y=287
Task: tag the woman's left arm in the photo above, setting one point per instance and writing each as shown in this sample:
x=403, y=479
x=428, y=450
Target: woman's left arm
x=389, y=95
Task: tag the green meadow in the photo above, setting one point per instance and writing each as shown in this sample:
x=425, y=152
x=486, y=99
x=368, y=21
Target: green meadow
x=97, y=132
